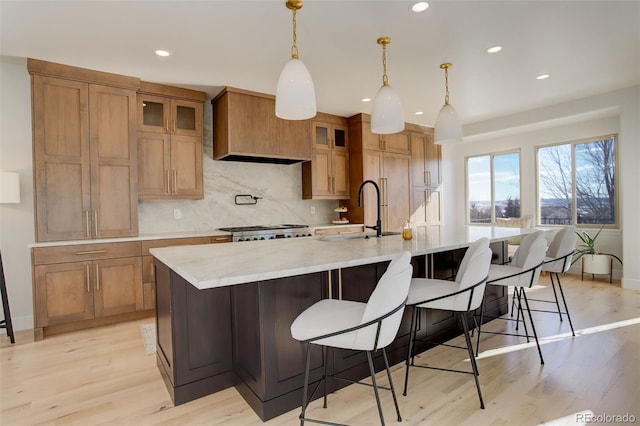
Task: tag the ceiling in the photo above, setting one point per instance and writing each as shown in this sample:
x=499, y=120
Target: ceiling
x=588, y=47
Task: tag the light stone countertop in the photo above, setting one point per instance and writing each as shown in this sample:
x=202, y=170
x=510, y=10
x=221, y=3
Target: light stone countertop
x=160, y=236
x=219, y=265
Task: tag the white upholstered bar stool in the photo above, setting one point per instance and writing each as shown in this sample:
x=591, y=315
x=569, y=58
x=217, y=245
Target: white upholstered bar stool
x=556, y=262
x=462, y=296
x=360, y=326
x=522, y=271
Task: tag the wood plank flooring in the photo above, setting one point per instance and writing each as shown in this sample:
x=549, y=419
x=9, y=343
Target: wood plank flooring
x=103, y=376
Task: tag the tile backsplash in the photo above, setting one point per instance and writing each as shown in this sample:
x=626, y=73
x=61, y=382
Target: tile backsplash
x=279, y=186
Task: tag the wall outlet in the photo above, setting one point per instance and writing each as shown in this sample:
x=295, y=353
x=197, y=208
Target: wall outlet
x=177, y=214
x=312, y=210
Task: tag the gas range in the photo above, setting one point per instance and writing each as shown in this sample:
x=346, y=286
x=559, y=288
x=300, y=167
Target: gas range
x=267, y=232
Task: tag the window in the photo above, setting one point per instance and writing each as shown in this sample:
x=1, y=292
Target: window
x=493, y=187
x=576, y=183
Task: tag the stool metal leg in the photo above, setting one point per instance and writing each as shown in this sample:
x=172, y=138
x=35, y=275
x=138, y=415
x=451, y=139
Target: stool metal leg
x=375, y=386
x=306, y=383
x=6, y=322
x=393, y=391
x=324, y=377
x=564, y=301
x=474, y=365
x=555, y=294
x=412, y=338
x=533, y=327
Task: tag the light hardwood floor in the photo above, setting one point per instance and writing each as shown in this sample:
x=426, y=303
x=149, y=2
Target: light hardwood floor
x=103, y=376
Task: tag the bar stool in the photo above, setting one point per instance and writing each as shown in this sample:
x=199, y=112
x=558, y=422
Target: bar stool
x=462, y=296
x=522, y=271
x=6, y=322
x=557, y=261
x=357, y=326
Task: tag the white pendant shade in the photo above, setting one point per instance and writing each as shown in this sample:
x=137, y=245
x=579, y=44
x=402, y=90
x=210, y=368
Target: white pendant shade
x=386, y=112
x=448, y=129
x=295, y=94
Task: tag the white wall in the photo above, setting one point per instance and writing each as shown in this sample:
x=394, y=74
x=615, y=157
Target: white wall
x=279, y=185
x=614, y=112
x=16, y=220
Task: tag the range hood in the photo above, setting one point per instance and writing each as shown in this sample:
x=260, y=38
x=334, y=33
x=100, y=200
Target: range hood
x=245, y=128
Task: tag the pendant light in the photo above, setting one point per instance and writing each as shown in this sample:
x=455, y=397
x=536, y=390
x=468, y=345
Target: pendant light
x=448, y=129
x=295, y=94
x=386, y=112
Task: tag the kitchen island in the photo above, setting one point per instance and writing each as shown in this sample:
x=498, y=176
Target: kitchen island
x=224, y=311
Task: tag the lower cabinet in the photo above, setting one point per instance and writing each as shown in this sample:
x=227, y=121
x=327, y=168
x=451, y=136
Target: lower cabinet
x=82, y=285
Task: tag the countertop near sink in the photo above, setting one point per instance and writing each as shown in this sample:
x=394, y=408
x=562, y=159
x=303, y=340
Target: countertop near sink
x=219, y=265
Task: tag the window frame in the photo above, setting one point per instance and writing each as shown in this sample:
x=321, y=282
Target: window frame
x=574, y=210
x=492, y=177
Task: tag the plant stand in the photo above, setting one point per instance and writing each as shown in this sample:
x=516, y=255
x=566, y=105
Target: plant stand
x=594, y=273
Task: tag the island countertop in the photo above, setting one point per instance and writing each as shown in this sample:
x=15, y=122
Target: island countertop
x=219, y=265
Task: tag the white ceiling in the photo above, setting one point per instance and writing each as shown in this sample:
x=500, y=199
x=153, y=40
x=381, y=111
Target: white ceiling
x=588, y=47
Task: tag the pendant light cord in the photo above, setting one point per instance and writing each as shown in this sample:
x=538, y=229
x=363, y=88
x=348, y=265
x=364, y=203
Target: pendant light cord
x=385, y=80
x=445, y=67
x=294, y=48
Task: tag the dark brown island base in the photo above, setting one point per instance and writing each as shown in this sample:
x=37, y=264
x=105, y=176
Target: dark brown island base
x=239, y=335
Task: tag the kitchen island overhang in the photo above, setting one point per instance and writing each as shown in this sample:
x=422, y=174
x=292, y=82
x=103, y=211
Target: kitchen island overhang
x=223, y=311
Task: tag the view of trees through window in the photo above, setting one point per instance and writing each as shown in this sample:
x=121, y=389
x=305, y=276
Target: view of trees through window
x=493, y=185
x=576, y=183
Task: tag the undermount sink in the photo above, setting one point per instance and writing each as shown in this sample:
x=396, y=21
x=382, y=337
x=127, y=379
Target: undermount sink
x=355, y=235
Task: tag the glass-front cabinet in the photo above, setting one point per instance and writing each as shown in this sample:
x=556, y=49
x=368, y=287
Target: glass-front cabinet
x=165, y=115
x=329, y=136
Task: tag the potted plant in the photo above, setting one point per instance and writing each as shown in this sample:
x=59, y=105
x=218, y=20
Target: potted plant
x=593, y=262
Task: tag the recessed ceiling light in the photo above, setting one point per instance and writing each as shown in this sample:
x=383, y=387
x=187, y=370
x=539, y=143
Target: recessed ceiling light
x=419, y=6
x=419, y=112
x=543, y=76
x=366, y=99
x=494, y=49
x=163, y=53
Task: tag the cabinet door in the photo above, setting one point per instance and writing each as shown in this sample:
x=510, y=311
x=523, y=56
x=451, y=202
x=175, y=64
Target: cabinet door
x=372, y=170
x=370, y=140
x=153, y=113
x=418, y=159
x=340, y=173
x=63, y=293
x=419, y=206
x=340, y=138
x=186, y=117
x=186, y=166
x=118, y=286
x=433, y=157
x=397, y=142
x=154, y=164
x=321, y=135
x=397, y=190
x=61, y=158
x=321, y=165
x=114, y=173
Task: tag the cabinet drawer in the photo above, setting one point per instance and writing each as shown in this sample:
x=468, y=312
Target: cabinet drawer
x=83, y=252
x=149, y=244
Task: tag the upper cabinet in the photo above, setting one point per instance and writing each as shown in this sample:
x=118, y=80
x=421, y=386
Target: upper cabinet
x=426, y=177
x=326, y=176
x=395, y=142
x=170, y=142
x=245, y=128
x=84, y=150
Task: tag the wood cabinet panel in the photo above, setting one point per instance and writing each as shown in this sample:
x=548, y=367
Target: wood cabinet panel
x=63, y=293
x=397, y=190
x=61, y=158
x=84, y=148
x=84, y=252
x=171, y=148
x=397, y=142
x=118, y=286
